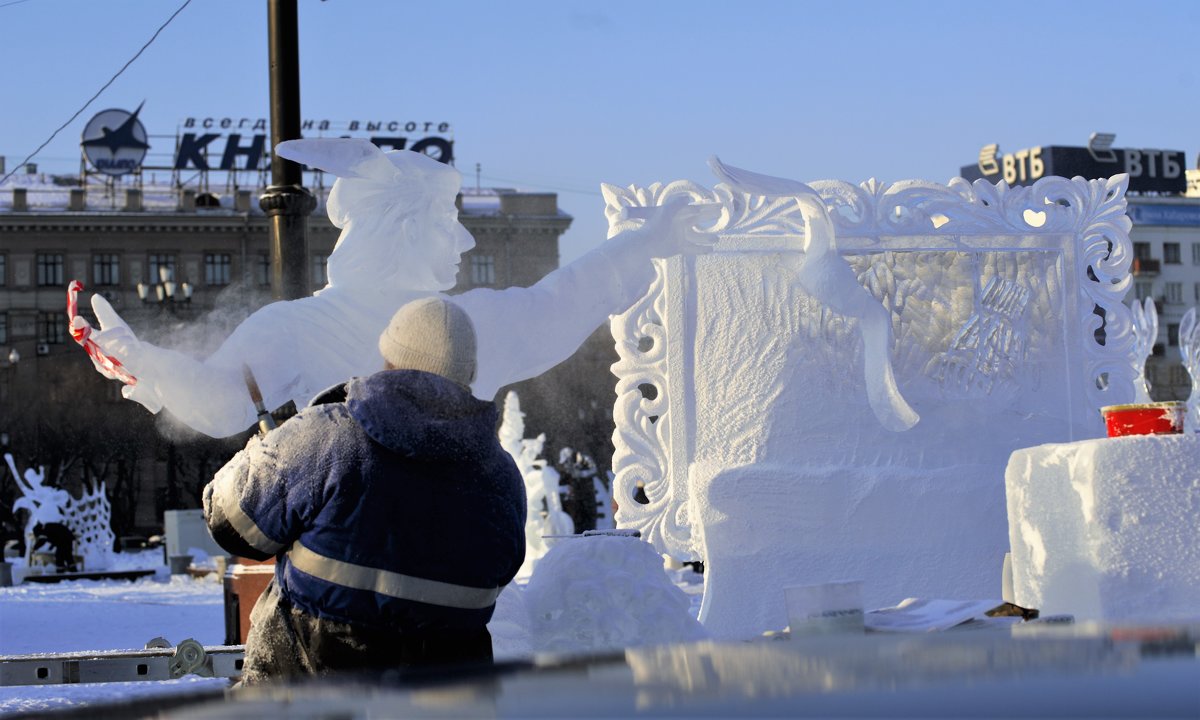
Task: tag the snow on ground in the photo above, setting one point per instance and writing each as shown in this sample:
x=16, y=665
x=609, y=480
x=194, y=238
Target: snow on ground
x=108, y=615
x=118, y=614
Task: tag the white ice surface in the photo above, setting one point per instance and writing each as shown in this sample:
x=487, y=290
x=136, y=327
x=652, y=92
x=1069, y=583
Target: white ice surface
x=1107, y=529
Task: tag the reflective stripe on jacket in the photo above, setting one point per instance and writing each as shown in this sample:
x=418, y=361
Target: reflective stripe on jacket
x=395, y=508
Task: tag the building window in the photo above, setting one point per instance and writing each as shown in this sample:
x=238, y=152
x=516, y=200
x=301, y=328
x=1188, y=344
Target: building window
x=161, y=268
x=49, y=270
x=1179, y=375
x=263, y=269
x=106, y=269
x=483, y=270
x=1171, y=254
x=1143, y=290
x=3, y=328
x=3, y=270
x=320, y=270
x=52, y=328
x=1198, y=292
x=1141, y=250
x=1196, y=253
x=1172, y=334
x=1173, y=292
x=216, y=269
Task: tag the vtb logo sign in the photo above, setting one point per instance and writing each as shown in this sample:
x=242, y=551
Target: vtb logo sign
x=114, y=141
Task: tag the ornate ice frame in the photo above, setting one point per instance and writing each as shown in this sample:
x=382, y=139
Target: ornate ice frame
x=1084, y=220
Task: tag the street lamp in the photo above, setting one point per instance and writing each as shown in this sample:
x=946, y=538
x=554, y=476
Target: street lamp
x=14, y=357
x=165, y=293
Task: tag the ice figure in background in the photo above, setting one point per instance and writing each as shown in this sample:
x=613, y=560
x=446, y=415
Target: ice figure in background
x=544, y=513
x=826, y=276
x=43, y=503
x=1145, y=333
x=90, y=519
x=400, y=240
x=1189, y=350
x=604, y=503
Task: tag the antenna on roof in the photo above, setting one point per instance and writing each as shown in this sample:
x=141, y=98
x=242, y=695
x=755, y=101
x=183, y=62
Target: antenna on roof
x=478, y=167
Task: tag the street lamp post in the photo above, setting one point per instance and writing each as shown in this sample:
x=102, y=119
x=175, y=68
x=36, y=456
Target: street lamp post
x=10, y=370
x=166, y=293
x=285, y=201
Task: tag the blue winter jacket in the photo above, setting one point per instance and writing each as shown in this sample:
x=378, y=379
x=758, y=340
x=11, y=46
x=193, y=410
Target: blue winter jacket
x=396, y=508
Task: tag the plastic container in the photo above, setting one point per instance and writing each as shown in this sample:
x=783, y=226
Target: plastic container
x=825, y=609
x=244, y=581
x=1160, y=418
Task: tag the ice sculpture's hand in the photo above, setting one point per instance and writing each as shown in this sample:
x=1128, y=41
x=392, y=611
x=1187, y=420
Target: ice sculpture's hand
x=675, y=228
x=117, y=340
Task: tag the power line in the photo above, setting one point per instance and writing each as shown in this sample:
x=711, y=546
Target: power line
x=102, y=89
x=14, y=2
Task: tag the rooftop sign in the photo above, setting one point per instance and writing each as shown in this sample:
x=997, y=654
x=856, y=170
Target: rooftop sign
x=1149, y=170
x=115, y=142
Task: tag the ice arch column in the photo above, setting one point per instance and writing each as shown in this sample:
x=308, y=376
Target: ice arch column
x=743, y=407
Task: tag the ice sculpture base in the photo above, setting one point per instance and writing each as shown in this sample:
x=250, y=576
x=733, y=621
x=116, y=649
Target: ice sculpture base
x=903, y=532
x=1107, y=529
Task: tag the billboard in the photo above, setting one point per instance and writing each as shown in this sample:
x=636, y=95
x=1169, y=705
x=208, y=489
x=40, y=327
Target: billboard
x=114, y=142
x=1149, y=170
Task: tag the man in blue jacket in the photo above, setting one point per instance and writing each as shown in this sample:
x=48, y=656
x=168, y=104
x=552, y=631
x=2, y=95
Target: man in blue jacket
x=394, y=515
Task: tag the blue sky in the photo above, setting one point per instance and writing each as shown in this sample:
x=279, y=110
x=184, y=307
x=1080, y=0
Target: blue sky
x=561, y=95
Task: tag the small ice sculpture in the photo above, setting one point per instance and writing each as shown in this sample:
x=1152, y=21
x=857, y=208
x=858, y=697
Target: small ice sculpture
x=544, y=513
x=825, y=275
x=1189, y=349
x=1145, y=333
x=43, y=503
x=90, y=519
x=990, y=346
x=604, y=503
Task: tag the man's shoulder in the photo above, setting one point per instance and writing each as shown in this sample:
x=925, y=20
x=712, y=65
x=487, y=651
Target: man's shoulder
x=334, y=394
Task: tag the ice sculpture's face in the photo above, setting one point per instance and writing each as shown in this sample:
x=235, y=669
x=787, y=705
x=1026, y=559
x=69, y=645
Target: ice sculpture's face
x=440, y=242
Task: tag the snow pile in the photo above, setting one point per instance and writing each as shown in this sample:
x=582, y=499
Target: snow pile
x=605, y=593
x=1107, y=529
x=510, y=625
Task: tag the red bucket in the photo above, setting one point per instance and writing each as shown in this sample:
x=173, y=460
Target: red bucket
x=1160, y=418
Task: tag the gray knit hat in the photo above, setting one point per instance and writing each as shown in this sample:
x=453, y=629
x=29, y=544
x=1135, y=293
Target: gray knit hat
x=434, y=335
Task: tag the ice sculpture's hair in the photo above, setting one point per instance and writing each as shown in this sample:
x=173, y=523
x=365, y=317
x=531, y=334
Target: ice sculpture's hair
x=377, y=194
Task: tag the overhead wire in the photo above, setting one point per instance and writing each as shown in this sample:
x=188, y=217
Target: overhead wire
x=98, y=92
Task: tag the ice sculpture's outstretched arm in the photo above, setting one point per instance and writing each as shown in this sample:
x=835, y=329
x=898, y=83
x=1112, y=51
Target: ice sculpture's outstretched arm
x=207, y=396
x=522, y=332
x=824, y=274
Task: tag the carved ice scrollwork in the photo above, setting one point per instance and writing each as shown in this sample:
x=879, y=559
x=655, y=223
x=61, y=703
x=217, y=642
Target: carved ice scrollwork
x=642, y=438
